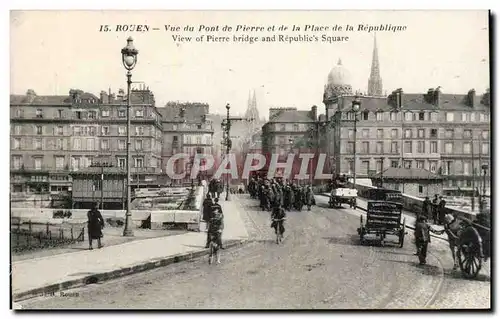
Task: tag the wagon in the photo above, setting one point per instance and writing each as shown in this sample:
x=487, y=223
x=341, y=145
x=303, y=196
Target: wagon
x=383, y=218
x=340, y=196
x=474, y=246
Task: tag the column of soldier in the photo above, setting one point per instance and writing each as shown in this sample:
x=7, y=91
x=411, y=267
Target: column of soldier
x=273, y=192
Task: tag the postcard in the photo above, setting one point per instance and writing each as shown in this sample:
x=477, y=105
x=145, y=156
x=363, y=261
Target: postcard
x=181, y=160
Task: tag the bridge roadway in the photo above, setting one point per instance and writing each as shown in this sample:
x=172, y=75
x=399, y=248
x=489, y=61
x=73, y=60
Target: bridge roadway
x=320, y=265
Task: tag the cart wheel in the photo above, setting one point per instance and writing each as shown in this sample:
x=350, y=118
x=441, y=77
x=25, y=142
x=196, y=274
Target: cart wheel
x=469, y=259
x=402, y=234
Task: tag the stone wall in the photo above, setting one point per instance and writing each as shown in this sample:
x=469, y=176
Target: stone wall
x=45, y=215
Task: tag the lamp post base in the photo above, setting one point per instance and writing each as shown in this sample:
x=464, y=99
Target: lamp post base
x=128, y=233
x=227, y=196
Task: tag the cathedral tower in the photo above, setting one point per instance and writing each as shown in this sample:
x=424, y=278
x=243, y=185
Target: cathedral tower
x=375, y=81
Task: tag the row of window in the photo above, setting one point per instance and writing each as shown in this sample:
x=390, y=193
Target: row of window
x=420, y=148
x=420, y=116
x=81, y=130
x=91, y=114
x=87, y=144
x=408, y=133
x=457, y=167
x=77, y=162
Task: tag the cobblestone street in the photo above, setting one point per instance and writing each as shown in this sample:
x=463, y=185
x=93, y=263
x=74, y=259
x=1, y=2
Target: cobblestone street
x=320, y=265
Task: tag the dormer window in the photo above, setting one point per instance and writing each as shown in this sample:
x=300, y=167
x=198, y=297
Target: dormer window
x=365, y=115
x=78, y=115
x=121, y=113
x=139, y=113
x=39, y=113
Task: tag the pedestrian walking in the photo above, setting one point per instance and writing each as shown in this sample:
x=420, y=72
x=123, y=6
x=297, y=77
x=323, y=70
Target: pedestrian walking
x=207, y=210
x=423, y=238
x=441, y=210
x=95, y=224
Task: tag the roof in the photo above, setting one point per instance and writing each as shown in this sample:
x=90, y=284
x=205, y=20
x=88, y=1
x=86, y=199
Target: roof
x=408, y=173
x=415, y=102
x=193, y=112
x=290, y=116
x=30, y=98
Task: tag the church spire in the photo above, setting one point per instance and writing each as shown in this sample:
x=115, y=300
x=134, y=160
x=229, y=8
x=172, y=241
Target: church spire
x=375, y=81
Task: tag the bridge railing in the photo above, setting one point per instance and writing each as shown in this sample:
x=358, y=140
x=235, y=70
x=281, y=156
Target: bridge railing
x=410, y=203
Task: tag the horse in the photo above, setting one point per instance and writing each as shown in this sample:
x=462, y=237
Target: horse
x=453, y=228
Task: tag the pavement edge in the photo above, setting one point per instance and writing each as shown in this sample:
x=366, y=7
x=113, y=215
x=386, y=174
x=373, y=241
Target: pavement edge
x=114, y=274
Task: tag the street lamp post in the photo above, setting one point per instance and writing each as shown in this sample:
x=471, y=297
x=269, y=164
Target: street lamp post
x=483, y=201
x=228, y=146
x=129, y=60
x=356, y=104
x=226, y=126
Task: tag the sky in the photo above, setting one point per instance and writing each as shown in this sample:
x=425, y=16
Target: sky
x=55, y=51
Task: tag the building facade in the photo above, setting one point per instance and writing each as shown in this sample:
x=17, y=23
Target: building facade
x=290, y=130
x=186, y=130
x=445, y=134
x=53, y=136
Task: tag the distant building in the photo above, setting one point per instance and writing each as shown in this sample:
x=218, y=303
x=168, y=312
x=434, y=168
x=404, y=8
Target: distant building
x=187, y=130
x=411, y=181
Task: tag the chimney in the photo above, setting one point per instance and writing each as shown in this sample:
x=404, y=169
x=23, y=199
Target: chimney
x=121, y=94
x=399, y=98
x=75, y=95
x=437, y=96
x=314, y=113
x=31, y=95
x=429, y=96
x=104, y=97
x=471, y=98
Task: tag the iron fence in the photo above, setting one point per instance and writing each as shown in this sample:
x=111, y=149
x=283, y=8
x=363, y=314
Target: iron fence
x=35, y=236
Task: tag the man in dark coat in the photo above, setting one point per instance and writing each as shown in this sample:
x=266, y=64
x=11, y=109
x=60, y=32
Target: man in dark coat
x=207, y=214
x=216, y=211
x=95, y=224
x=441, y=210
x=423, y=238
x=426, y=207
x=207, y=204
x=435, y=209
x=309, y=197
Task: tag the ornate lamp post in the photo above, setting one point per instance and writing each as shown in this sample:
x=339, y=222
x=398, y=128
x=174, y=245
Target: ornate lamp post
x=129, y=60
x=356, y=105
x=228, y=146
x=484, y=167
x=226, y=138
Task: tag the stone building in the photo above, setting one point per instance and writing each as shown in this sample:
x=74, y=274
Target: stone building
x=53, y=136
x=187, y=130
x=290, y=130
x=448, y=134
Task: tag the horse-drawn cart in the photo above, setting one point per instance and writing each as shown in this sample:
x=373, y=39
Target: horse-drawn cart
x=474, y=245
x=383, y=218
x=339, y=196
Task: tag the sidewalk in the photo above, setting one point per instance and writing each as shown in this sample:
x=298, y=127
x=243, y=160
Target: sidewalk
x=53, y=273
